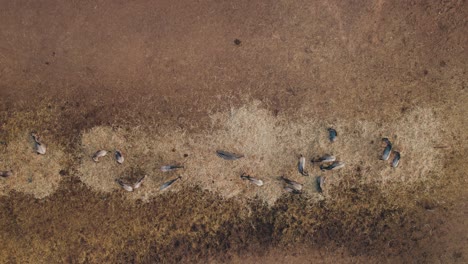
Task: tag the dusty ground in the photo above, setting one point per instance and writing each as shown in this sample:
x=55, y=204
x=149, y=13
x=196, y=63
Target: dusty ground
x=166, y=82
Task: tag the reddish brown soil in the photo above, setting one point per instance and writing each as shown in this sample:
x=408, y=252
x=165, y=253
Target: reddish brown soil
x=68, y=66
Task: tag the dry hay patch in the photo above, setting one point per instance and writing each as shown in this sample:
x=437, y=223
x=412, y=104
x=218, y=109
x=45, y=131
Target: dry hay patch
x=414, y=135
x=271, y=146
x=144, y=154
x=38, y=175
x=249, y=130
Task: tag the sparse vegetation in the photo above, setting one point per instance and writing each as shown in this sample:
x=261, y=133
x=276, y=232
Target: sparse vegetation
x=82, y=219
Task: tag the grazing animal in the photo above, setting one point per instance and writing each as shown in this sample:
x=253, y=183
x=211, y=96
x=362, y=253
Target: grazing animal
x=292, y=184
x=139, y=182
x=171, y=167
x=332, y=134
x=119, y=157
x=130, y=188
x=169, y=183
x=386, y=141
x=252, y=179
x=99, y=154
x=301, y=166
x=228, y=155
x=324, y=158
x=125, y=186
x=291, y=190
x=39, y=147
x=320, y=182
x=6, y=174
x=396, y=159
x=334, y=166
x=388, y=149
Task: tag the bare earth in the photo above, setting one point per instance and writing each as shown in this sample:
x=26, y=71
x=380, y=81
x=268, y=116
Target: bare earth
x=171, y=82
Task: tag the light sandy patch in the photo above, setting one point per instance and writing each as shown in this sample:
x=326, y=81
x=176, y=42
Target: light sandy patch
x=271, y=146
x=143, y=153
x=34, y=174
x=415, y=135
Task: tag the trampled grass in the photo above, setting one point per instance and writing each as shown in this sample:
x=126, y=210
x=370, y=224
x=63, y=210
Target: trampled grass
x=271, y=146
x=212, y=212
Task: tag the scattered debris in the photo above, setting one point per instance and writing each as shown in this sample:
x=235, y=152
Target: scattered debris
x=441, y=147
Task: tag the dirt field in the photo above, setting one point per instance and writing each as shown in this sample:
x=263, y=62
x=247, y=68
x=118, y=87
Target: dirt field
x=171, y=82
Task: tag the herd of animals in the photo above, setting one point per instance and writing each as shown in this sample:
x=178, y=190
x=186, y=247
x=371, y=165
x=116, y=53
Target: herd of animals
x=327, y=162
